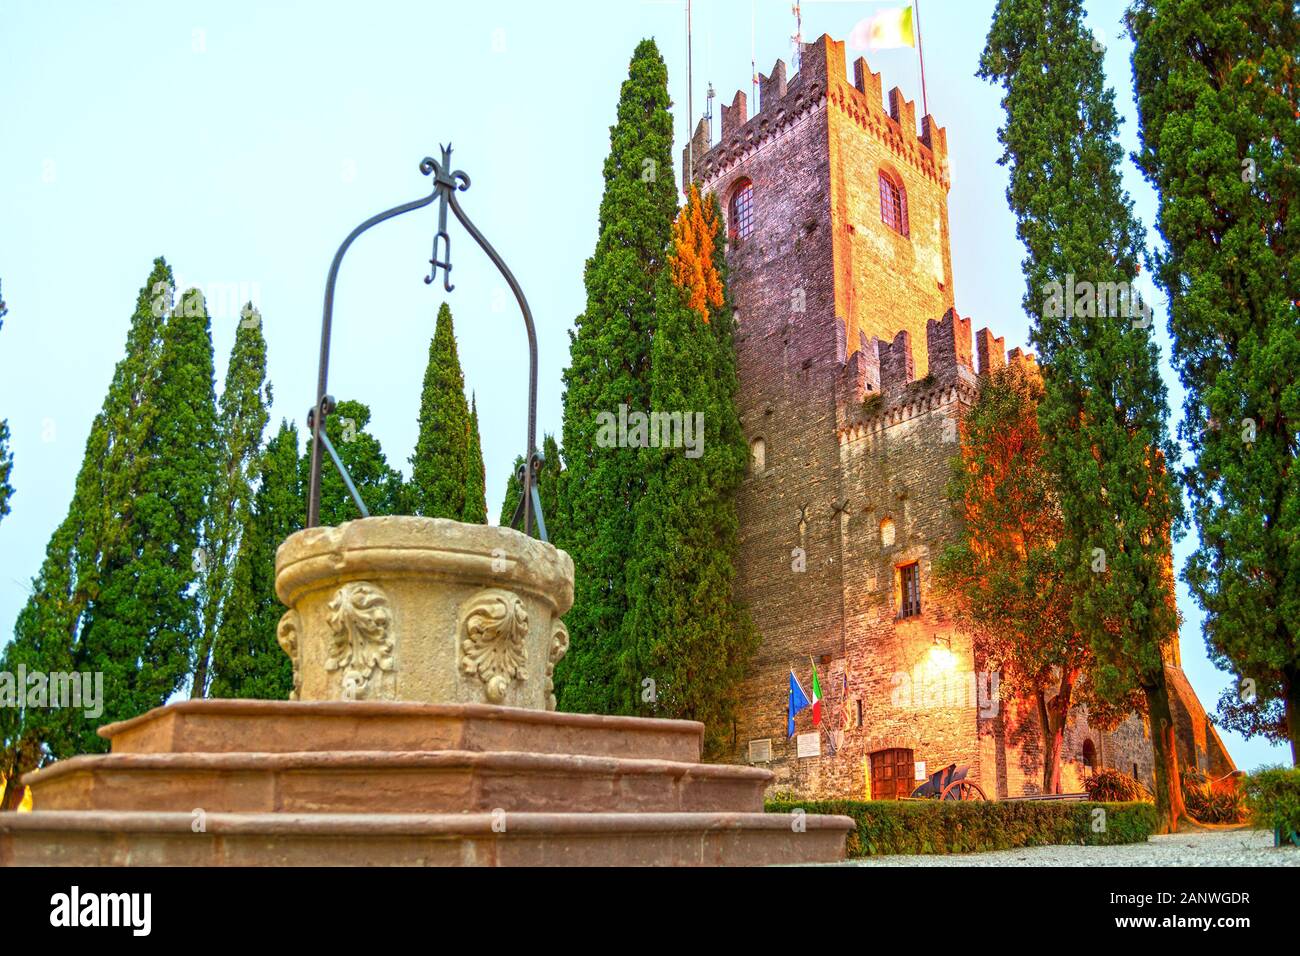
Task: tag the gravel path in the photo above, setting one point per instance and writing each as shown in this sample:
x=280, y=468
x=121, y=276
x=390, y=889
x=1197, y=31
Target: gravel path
x=1232, y=848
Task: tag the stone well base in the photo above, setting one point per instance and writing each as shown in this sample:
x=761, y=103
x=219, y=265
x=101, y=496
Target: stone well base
x=391, y=783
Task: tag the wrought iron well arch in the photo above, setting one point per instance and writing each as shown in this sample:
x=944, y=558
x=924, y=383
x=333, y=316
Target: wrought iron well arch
x=446, y=184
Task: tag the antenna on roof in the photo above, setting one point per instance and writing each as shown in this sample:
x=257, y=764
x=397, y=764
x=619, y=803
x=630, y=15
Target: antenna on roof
x=708, y=110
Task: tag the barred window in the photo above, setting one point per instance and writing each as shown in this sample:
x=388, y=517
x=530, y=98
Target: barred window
x=742, y=210
x=893, y=203
x=909, y=586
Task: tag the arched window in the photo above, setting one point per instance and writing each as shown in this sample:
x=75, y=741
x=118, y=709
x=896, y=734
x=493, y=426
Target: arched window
x=893, y=203
x=741, y=217
x=1089, y=754
x=757, y=456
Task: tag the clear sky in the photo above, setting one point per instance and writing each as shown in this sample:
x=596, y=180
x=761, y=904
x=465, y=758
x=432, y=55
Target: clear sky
x=242, y=141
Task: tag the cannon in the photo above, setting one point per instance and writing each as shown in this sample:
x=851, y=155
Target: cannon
x=950, y=783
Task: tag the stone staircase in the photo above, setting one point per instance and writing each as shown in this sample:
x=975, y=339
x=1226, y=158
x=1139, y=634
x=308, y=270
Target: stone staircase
x=238, y=783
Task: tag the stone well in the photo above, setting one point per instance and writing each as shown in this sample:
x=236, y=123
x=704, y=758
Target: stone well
x=423, y=609
x=421, y=732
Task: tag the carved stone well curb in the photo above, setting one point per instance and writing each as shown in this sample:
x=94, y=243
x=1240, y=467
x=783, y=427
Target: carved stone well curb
x=423, y=609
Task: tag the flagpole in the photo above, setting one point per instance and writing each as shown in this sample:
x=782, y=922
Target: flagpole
x=916, y=12
x=690, y=110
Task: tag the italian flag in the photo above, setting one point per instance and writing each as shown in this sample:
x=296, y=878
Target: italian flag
x=887, y=30
x=816, y=695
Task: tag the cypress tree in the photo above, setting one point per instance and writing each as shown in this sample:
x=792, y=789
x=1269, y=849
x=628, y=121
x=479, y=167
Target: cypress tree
x=50, y=633
x=475, y=475
x=511, y=499
x=440, y=465
x=1104, y=403
x=379, y=485
x=610, y=366
x=549, y=487
x=246, y=659
x=145, y=624
x=687, y=642
x=1217, y=102
x=244, y=412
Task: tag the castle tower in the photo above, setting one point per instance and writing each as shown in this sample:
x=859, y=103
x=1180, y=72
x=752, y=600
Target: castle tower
x=855, y=369
x=845, y=192
x=840, y=268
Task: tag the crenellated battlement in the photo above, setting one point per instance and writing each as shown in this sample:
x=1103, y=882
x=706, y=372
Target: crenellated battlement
x=822, y=81
x=887, y=368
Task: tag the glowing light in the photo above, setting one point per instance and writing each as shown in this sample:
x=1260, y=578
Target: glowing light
x=942, y=659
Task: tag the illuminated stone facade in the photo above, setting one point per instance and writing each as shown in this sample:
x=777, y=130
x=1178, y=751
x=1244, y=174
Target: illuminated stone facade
x=855, y=369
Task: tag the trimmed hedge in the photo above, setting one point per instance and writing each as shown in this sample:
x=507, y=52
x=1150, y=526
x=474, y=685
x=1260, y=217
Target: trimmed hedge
x=1273, y=795
x=959, y=826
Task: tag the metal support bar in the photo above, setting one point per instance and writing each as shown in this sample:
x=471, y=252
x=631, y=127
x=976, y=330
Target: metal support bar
x=338, y=463
x=524, y=475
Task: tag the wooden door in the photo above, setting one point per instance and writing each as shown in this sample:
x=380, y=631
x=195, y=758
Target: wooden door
x=891, y=774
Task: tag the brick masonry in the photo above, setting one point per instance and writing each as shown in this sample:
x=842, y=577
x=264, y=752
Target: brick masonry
x=855, y=368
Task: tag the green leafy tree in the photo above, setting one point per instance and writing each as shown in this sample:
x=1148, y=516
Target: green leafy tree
x=247, y=660
x=380, y=486
x=548, y=489
x=475, y=474
x=687, y=642
x=610, y=366
x=6, y=456
x=1004, y=571
x=440, y=466
x=243, y=414
x=1216, y=84
x=1104, y=404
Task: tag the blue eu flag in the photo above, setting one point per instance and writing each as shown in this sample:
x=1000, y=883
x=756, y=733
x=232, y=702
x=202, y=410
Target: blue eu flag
x=798, y=701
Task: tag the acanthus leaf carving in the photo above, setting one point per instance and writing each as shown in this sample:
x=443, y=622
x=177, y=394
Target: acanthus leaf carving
x=493, y=626
x=360, y=622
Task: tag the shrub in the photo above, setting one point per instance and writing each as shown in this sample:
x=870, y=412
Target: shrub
x=1273, y=796
x=1207, y=805
x=1115, y=786
x=953, y=826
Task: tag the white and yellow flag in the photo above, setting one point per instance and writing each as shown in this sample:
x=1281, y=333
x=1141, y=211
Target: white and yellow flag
x=886, y=30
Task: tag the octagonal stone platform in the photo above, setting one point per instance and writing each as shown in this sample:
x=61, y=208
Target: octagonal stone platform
x=422, y=731
x=399, y=783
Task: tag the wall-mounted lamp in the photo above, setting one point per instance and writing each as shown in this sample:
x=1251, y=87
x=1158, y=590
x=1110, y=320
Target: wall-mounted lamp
x=941, y=656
